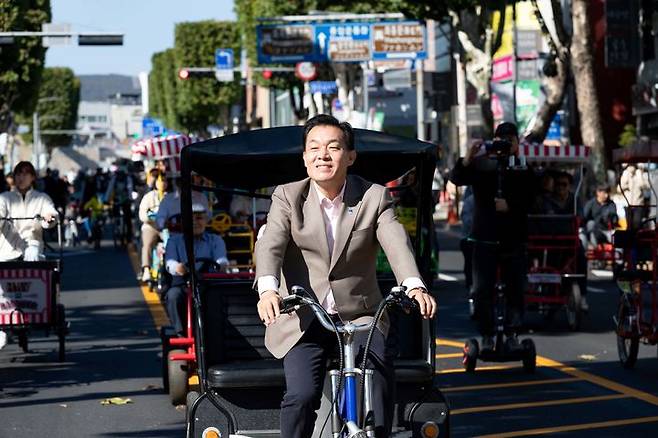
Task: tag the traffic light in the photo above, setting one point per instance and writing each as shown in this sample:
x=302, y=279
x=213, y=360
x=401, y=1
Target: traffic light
x=184, y=74
x=88, y=39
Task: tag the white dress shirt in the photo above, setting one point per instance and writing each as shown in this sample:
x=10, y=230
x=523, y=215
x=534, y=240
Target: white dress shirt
x=330, y=209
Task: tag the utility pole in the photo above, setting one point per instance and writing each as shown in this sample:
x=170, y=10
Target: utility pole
x=420, y=100
x=36, y=140
x=462, y=125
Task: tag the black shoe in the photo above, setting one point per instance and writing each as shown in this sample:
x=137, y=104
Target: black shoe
x=487, y=343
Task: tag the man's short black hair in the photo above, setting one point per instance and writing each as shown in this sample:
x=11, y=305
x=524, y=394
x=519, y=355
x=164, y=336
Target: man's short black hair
x=506, y=129
x=327, y=120
x=603, y=187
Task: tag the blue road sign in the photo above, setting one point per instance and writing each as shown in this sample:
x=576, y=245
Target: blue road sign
x=343, y=42
x=224, y=59
x=323, y=87
x=555, y=128
x=151, y=127
x=350, y=41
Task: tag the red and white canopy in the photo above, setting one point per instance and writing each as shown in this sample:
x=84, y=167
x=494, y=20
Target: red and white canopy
x=160, y=147
x=567, y=153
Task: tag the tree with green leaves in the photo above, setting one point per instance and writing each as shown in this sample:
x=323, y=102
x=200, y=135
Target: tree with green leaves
x=162, y=88
x=21, y=63
x=202, y=101
x=57, y=105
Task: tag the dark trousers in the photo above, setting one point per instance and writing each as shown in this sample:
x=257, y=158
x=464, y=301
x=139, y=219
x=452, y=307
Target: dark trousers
x=466, y=247
x=176, y=304
x=513, y=265
x=305, y=367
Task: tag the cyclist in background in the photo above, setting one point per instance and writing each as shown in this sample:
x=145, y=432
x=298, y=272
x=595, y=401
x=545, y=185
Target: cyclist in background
x=148, y=210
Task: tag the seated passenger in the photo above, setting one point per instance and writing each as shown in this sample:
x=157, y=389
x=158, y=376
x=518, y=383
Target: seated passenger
x=242, y=207
x=562, y=200
x=599, y=218
x=206, y=246
x=546, y=187
x=22, y=239
x=170, y=204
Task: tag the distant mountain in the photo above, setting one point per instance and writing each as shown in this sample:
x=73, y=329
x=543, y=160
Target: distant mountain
x=101, y=88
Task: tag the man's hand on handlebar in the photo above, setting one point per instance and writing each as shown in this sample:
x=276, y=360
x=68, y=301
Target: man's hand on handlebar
x=426, y=302
x=269, y=306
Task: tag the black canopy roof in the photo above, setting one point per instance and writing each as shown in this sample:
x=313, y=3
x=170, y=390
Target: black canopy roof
x=267, y=157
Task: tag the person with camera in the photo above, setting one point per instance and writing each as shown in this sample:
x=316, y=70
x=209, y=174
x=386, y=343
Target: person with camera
x=503, y=192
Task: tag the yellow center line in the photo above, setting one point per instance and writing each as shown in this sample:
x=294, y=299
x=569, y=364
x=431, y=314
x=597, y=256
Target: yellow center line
x=574, y=427
x=600, y=381
x=152, y=299
x=489, y=368
x=449, y=343
x=449, y=355
x=527, y=405
x=510, y=385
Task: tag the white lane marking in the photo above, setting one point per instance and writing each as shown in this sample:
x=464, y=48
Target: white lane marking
x=601, y=273
x=446, y=277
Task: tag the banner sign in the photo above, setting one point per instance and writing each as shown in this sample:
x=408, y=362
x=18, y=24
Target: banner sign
x=349, y=41
x=27, y=290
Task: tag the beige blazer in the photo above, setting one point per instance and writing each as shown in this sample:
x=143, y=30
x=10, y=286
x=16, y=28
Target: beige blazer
x=294, y=249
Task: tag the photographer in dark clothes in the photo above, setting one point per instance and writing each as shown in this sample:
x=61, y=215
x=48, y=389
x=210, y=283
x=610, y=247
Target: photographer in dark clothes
x=503, y=191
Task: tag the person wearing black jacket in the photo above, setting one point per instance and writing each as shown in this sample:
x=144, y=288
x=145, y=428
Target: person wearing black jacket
x=599, y=218
x=500, y=228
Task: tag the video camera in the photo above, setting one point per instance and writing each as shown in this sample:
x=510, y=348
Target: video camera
x=498, y=148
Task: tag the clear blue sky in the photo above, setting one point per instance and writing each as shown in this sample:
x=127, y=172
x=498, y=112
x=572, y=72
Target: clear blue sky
x=147, y=25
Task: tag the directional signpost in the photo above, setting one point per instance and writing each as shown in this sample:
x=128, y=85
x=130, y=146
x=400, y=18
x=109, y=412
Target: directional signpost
x=224, y=65
x=350, y=41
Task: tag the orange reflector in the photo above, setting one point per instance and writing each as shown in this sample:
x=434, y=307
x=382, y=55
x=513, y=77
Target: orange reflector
x=211, y=432
x=429, y=430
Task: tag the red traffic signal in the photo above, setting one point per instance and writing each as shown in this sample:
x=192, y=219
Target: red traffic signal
x=267, y=74
x=183, y=73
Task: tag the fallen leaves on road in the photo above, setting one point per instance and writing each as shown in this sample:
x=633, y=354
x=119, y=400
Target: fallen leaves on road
x=116, y=401
x=180, y=408
x=587, y=357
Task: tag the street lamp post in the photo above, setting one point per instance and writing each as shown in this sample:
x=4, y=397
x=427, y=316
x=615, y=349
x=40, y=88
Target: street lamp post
x=36, y=131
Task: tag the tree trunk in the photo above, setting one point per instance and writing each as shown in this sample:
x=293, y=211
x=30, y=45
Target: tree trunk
x=582, y=66
x=555, y=88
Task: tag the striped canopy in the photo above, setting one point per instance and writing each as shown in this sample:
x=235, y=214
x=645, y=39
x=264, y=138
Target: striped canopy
x=160, y=147
x=567, y=153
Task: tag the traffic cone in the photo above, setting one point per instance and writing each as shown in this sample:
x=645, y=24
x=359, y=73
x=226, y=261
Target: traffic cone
x=452, y=214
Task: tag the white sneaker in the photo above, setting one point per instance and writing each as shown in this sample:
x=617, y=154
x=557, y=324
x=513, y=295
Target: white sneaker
x=3, y=339
x=146, y=275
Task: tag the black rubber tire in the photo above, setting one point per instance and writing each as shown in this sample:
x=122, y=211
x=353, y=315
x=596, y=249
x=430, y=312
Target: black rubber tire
x=164, y=340
x=61, y=332
x=191, y=397
x=529, y=356
x=178, y=379
x=574, y=311
x=23, y=342
x=627, y=347
x=471, y=352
